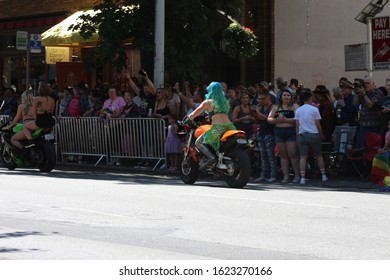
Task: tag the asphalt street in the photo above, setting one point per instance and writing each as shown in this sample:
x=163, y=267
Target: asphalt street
x=106, y=213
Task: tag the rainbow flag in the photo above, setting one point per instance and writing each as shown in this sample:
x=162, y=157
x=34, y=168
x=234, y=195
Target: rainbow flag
x=380, y=168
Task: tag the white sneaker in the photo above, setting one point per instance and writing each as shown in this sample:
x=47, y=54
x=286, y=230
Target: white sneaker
x=260, y=179
x=324, y=178
x=271, y=180
x=303, y=181
x=285, y=180
x=163, y=166
x=296, y=180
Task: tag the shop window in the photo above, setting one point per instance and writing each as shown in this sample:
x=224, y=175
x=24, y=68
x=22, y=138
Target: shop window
x=7, y=43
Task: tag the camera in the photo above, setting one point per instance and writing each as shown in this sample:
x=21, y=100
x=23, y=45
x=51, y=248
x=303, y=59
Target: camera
x=358, y=85
x=142, y=72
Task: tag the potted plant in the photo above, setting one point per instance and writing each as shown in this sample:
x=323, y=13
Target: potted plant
x=239, y=41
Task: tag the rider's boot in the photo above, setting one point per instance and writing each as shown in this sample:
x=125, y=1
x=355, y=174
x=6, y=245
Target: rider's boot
x=30, y=144
x=211, y=158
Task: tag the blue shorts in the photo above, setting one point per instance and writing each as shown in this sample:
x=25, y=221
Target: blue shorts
x=285, y=134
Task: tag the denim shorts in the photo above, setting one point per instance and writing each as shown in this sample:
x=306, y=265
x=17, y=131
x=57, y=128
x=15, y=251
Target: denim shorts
x=306, y=140
x=285, y=134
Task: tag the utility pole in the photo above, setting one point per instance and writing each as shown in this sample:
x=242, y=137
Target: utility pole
x=242, y=58
x=28, y=63
x=159, y=42
x=369, y=46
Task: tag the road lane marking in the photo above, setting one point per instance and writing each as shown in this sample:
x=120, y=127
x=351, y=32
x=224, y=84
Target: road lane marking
x=268, y=201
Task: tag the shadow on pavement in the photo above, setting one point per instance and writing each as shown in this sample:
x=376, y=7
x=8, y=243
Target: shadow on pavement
x=147, y=176
x=19, y=234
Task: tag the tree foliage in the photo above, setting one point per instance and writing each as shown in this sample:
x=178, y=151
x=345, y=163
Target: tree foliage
x=189, y=29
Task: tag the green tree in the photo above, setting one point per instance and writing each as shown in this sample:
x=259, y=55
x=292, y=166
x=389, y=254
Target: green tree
x=189, y=30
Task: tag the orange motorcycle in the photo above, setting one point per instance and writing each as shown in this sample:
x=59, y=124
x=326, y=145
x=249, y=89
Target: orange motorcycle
x=233, y=162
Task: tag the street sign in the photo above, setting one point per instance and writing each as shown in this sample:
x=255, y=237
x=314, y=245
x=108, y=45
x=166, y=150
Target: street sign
x=21, y=40
x=35, y=43
x=381, y=43
x=355, y=57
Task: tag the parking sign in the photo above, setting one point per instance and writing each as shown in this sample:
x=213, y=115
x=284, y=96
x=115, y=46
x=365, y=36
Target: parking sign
x=35, y=43
x=381, y=43
x=21, y=40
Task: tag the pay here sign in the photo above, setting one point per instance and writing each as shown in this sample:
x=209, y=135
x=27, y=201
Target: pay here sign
x=381, y=43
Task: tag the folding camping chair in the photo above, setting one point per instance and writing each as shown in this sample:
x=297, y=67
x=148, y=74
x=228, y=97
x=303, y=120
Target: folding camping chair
x=361, y=158
x=343, y=138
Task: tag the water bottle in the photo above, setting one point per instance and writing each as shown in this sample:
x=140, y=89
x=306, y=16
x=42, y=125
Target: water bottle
x=338, y=112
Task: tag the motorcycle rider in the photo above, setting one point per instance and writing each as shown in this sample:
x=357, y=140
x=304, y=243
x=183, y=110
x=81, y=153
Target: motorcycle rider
x=217, y=107
x=43, y=108
x=25, y=114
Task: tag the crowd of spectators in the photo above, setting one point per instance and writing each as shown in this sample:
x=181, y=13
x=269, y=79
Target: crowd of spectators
x=266, y=111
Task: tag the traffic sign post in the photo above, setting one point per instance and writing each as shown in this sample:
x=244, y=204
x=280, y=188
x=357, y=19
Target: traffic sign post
x=35, y=43
x=28, y=67
x=23, y=44
x=381, y=43
x=21, y=40
x=31, y=43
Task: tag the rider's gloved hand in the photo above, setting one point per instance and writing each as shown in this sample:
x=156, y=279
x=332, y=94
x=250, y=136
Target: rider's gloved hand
x=186, y=120
x=8, y=127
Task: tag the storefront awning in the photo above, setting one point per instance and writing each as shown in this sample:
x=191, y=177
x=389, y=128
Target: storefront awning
x=59, y=35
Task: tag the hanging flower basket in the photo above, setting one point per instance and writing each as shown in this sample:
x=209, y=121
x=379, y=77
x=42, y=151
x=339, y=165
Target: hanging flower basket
x=239, y=41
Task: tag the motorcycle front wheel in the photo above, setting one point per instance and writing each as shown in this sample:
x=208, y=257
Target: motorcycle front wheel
x=189, y=171
x=238, y=169
x=45, y=157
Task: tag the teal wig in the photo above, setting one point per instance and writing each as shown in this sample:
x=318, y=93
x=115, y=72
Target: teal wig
x=214, y=92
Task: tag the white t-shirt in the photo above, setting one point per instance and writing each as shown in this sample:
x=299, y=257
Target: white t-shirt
x=138, y=101
x=176, y=98
x=307, y=116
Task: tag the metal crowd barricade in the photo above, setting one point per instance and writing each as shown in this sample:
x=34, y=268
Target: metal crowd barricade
x=113, y=138
x=82, y=137
x=137, y=138
x=4, y=119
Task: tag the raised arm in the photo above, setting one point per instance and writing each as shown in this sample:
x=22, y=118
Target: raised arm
x=133, y=86
x=187, y=90
x=187, y=100
x=150, y=84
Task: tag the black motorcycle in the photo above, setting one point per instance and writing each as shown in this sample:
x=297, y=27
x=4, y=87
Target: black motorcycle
x=42, y=155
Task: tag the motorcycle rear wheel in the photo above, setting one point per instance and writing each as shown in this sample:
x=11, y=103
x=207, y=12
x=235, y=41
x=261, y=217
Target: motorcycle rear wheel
x=239, y=168
x=189, y=171
x=6, y=157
